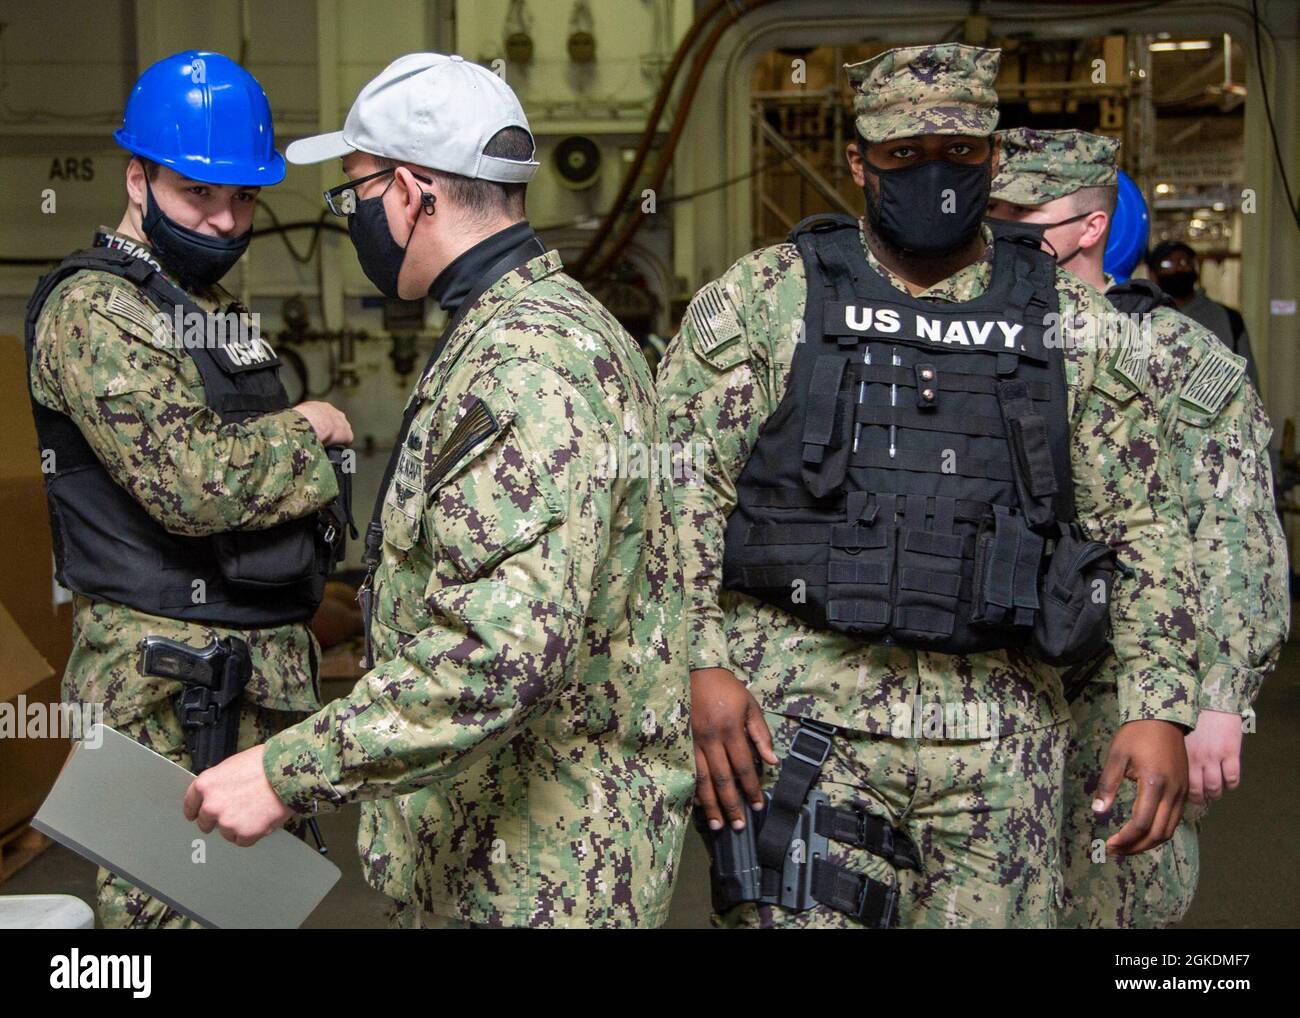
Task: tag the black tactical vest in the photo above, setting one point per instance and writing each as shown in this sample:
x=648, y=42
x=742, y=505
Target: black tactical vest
x=107, y=547
x=1138, y=297
x=910, y=485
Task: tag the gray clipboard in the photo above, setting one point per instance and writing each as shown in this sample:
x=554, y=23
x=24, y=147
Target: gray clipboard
x=119, y=804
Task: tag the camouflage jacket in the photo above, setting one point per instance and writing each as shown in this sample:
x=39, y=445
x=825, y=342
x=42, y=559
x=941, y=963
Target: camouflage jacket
x=726, y=372
x=1217, y=433
x=525, y=737
x=138, y=399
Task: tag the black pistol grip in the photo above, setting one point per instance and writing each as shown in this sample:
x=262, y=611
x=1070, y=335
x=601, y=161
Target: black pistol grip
x=171, y=659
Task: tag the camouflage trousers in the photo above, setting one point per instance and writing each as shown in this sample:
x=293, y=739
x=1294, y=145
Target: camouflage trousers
x=402, y=915
x=1144, y=891
x=120, y=904
x=985, y=816
x=104, y=669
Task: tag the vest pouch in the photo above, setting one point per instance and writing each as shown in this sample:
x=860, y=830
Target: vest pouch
x=1031, y=453
x=1073, y=624
x=929, y=584
x=280, y=556
x=826, y=424
x=1008, y=559
x=860, y=566
x=332, y=524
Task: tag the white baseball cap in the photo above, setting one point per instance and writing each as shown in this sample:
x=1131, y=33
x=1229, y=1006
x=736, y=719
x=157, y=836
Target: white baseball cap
x=432, y=110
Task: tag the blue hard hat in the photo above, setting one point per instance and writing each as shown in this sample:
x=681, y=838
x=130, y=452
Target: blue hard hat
x=205, y=117
x=1129, y=229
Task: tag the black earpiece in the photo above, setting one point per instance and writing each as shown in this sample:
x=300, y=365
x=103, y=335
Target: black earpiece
x=427, y=202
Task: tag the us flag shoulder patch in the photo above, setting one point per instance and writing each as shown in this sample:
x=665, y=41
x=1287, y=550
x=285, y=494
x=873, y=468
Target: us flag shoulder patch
x=1132, y=357
x=1213, y=380
x=712, y=318
x=124, y=304
x=476, y=425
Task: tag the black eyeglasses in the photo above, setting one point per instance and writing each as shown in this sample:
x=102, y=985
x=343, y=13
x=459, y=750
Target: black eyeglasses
x=342, y=200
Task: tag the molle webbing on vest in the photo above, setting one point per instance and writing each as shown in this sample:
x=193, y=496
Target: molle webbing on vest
x=909, y=485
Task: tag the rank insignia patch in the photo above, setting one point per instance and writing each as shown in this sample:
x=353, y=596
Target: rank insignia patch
x=476, y=425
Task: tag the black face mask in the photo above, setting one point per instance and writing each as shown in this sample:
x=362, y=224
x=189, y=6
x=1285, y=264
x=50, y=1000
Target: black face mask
x=195, y=259
x=1039, y=230
x=914, y=215
x=1178, y=284
x=380, y=256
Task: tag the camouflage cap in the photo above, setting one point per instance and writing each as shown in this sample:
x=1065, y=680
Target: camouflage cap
x=944, y=89
x=1037, y=166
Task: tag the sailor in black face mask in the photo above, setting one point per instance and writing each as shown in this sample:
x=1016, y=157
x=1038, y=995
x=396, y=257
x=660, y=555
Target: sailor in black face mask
x=523, y=603
x=198, y=259
x=1213, y=426
x=1174, y=267
x=1065, y=207
x=894, y=514
x=924, y=198
x=185, y=493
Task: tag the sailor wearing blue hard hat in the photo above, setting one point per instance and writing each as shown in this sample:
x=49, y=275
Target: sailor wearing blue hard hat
x=194, y=512
x=200, y=128
x=1129, y=228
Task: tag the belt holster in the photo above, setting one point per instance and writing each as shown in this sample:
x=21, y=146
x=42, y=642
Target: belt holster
x=212, y=682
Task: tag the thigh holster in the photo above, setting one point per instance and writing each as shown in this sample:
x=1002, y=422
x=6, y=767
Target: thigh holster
x=780, y=858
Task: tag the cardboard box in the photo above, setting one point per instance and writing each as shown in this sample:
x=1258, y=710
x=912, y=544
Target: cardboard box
x=19, y=458
x=27, y=579
x=35, y=634
x=28, y=766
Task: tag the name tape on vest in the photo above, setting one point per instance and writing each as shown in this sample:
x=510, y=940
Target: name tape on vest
x=115, y=243
x=982, y=333
x=246, y=355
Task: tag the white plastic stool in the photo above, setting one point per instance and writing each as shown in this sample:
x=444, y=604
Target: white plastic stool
x=45, y=912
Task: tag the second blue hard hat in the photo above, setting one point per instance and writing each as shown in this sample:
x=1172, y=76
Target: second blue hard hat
x=1129, y=230
x=205, y=117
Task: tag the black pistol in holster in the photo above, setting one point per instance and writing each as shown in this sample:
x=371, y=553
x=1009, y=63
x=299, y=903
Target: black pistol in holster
x=212, y=687
x=781, y=857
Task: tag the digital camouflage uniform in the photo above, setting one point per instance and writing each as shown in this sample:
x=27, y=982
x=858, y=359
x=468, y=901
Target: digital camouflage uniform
x=137, y=397
x=1216, y=432
x=985, y=812
x=523, y=747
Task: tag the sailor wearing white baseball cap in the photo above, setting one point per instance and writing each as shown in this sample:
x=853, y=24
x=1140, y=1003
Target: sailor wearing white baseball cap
x=433, y=110
x=438, y=121
x=523, y=603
